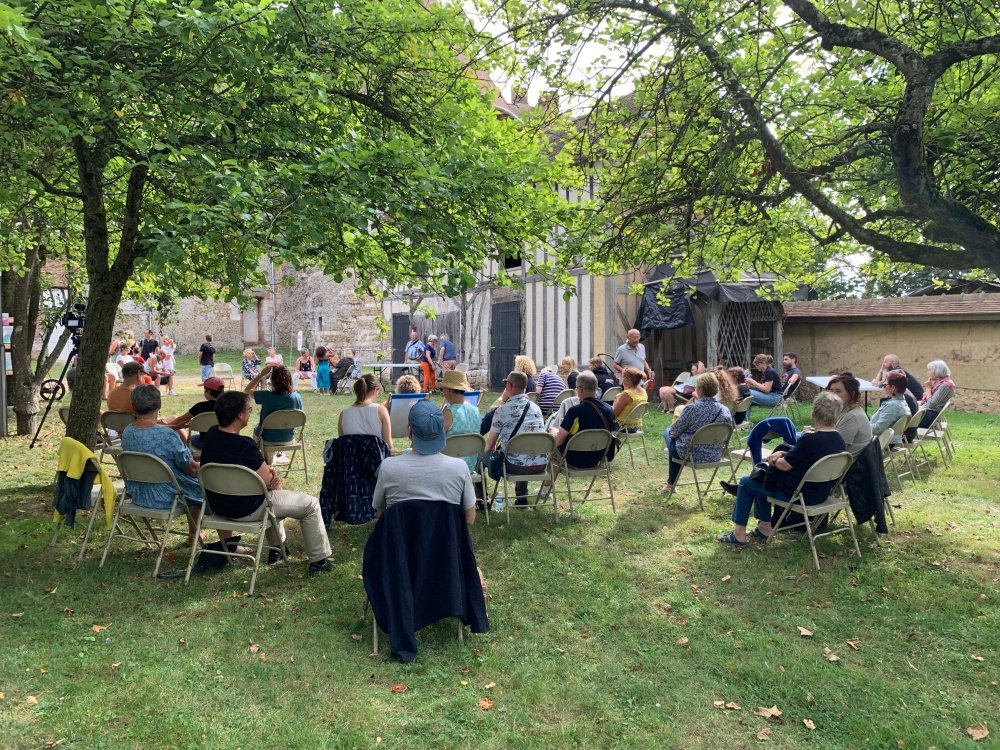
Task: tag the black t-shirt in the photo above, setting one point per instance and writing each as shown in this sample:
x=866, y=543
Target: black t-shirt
x=207, y=354
x=809, y=449
x=148, y=347
x=589, y=414
x=571, y=379
x=770, y=374
x=913, y=385
x=788, y=376
x=203, y=407
x=226, y=448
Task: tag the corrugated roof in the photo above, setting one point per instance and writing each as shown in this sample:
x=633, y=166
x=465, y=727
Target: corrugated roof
x=980, y=306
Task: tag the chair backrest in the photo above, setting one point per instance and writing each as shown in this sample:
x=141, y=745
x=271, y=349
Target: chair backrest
x=901, y=424
x=562, y=396
x=462, y=367
x=915, y=419
x=145, y=468
x=472, y=397
x=829, y=468
x=589, y=441
x=532, y=396
x=743, y=406
x=611, y=394
x=637, y=414
x=223, y=370
x=531, y=443
x=115, y=369
x=771, y=435
x=712, y=434
x=202, y=422
x=64, y=414
x=460, y=446
x=885, y=438
x=730, y=406
x=399, y=415
x=230, y=479
x=116, y=420
x=284, y=419
x=790, y=391
x=682, y=378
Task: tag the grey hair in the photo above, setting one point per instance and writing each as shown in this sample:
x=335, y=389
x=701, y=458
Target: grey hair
x=940, y=368
x=146, y=399
x=587, y=382
x=827, y=407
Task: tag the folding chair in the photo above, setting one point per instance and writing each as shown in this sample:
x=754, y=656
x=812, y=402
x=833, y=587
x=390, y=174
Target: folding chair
x=285, y=419
x=224, y=371
x=611, y=394
x=96, y=504
x=827, y=469
x=399, y=414
x=533, y=444
x=532, y=396
x=637, y=413
x=144, y=468
x=743, y=454
x=113, y=421
x=586, y=441
x=472, y=398
x=200, y=423
x=229, y=479
x=678, y=383
x=914, y=445
x=742, y=407
x=460, y=446
x=788, y=404
x=345, y=384
x=884, y=444
x=711, y=434
x=896, y=454
x=938, y=434
x=560, y=397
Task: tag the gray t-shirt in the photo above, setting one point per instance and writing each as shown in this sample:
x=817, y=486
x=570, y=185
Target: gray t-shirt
x=414, y=476
x=628, y=358
x=856, y=430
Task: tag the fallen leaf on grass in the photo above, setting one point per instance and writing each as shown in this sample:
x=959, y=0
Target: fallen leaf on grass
x=682, y=641
x=853, y=643
x=181, y=641
x=16, y=615
x=734, y=706
x=399, y=687
x=768, y=713
x=463, y=683
x=830, y=655
x=485, y=703
x=68, y=611
x=33, y=701
x=116, y=666
x=489, y=686
x=978, y=731
x=355, y=637
x=43, y=670
x=53, y=743
x=974, y=657
x=51, y=591
x=95, y=629
x=726, y=578
x=719, y=704
x=764, y=734
x=560, y=650
x=804, y=632
x=254, y=648
x=810, y=724
x=2, y=696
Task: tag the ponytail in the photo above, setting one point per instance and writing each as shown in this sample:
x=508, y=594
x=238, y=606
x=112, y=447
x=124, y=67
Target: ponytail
x=363, y=386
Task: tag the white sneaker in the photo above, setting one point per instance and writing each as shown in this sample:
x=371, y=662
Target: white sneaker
x=171, y=393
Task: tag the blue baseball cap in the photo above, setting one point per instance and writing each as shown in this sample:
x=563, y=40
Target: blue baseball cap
x=427, y=427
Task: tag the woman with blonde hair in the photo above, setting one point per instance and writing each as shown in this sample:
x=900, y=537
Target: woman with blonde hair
x=405, y=384
x=524, y=363
x=568, y=371
x=631, y=396
x=727, y=388
x=364, y=416
x=251, y=364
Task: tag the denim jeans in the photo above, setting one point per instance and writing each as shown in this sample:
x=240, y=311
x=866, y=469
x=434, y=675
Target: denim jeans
x=206, y=372
x=673, y=469
x=765, y=399
x=750, y=494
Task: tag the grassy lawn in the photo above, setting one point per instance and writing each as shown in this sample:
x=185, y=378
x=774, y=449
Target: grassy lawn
x=608, y=631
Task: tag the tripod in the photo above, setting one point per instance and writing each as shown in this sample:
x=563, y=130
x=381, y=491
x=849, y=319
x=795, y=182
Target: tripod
x=52, y=390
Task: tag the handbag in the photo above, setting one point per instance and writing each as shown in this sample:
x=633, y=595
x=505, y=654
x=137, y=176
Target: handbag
x=495, y=458
x=615, y=442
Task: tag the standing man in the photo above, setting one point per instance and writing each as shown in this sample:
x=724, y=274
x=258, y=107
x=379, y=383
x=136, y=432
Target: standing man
x=206, y=358
x=633, y=354
x=414, y=351
x=149, y=346
x=447, y=355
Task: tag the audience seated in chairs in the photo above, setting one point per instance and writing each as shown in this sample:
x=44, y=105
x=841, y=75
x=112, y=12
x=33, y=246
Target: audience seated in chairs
x=766, y=388
x=568, y=372
x=671, y=394
x=364, y=416
x=589, y=414
x=728, y=393
x=213, y=388
x=605, y=376
x=702, y=410
x=548, y=385
x=250, y=364
x=791, y=376
x=160, y=372
x=405, y=384
x=304, y=369
x=145, y=435
x=120, y=399
x=631, y=396
x=225, y=445
x=853, y=424
x=460, y=417
x=893, y=407
x=738, y=377
x=786, y=469
x=280, y=397
x=342, y=370
x=890, y=363
x=938, y=391
x=516, y=415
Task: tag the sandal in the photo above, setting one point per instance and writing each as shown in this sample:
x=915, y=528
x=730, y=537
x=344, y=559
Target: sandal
x=666, y=489
x=759, y=535
x=730, y=538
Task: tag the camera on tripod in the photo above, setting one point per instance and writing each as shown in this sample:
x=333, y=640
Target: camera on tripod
x=75, y=320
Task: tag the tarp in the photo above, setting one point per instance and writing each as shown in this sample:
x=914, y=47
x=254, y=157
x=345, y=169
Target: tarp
x=653, y=316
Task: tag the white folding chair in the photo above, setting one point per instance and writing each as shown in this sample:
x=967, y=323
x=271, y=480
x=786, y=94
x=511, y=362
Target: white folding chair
x=538, y=444
x=562, y=396
x=224, y=371
x=743, y=454
x=717, y=433
x=144, y=468
x=346, y=383
x=936, y=433
x=399, y=414
x=884, y=444
x=742, y=407
x=639, y=431
x=591, y=441
x=787, y=404
x=831, y=468
x=113, y=422
x=285, y=419
x=915, y=444
x=460, y=446
x=228, y=479
x=200, y=423
x=611, y=394
x=532, y=396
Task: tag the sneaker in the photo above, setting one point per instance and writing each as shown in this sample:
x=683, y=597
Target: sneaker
x=274, y=555
x=171, y=393
x=321, y=566
x=729, y=487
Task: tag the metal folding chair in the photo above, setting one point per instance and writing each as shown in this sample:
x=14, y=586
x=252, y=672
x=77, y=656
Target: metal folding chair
x=587, y=441
x=611, y=394
x=742, y=407
x=637, y=413
x=938, y=433
x=200, y=423
x=460, y=446
x=224, y=371
x=539, y=444
x=884, y=443
x=113, y=421
x=285, y=419
x=711, y=434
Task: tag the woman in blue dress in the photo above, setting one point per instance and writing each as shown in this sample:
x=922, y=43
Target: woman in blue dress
x=322, y=370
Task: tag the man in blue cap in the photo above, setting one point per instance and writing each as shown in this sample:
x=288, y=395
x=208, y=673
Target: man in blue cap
x=424, y=473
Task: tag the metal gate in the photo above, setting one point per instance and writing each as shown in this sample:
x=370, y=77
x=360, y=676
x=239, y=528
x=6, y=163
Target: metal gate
x=505, y=340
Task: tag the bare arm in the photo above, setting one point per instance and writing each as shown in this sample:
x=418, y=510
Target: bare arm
x=383, y=415
x=491, y=440
x=271, y=479
x=340, y=424
x=192, y=468
x=561, y=437
x=621, y=401
x=470, y=516
x=252, y=385
x=449, y=420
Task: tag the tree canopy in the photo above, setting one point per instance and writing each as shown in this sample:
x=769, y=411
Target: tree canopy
x=192, y=139
x=757, y=135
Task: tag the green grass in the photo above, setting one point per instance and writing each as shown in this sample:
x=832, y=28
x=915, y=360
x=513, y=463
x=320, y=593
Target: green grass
x=586, y=616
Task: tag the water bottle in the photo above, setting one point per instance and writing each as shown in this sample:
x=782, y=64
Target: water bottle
x=498, y=503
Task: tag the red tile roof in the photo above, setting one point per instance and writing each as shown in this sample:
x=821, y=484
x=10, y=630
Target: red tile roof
x=980, y=306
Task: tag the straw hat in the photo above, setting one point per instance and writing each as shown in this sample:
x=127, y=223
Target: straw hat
x=455, y=380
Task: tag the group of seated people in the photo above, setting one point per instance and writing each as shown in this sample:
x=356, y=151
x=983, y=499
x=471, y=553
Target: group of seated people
x=323, y=369
x=155, y=358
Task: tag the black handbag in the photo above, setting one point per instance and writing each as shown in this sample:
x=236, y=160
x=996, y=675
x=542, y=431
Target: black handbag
x=615, y=442
x=496, y=458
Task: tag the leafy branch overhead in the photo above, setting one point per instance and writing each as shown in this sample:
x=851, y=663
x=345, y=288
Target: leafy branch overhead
x=754, y=135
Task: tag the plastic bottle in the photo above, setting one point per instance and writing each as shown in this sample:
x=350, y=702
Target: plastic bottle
x=498, y=503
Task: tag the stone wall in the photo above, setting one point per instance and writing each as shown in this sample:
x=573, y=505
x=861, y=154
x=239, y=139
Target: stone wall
x=971, y=349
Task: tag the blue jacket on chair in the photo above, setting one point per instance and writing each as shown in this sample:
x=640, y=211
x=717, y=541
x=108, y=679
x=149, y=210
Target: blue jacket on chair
x=780, y=425
x=352, y=463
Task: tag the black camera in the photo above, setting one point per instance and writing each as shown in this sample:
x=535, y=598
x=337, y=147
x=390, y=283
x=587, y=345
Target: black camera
x=74, y=319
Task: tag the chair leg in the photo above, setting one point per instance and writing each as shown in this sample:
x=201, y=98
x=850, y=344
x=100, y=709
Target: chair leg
x=461, y=632
x=697, y=488
x=256, y=560
x=809, y=533
x=888, y=507
x=642, y=439
x=111, y=535
x=611, y=490
x=374, y=635
x=628, y=442
x=163, y=541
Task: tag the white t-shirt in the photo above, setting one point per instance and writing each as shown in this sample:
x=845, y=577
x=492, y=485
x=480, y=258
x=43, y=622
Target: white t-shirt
x=277, y=360
x=361, y=420
x=414, y=476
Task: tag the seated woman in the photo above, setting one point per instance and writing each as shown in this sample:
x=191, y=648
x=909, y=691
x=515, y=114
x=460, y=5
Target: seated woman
x=279, y=398
x=853, y=424
x=893, y=407
x=405, y=384
x=460, y=417
x=251, y=364
x=364, y=416
x=548, y=386
x=727, y=387
x=767, y=390
x=631, y=396
x=322, y=381
x=938, y=390
x=605, y=377
x=145, y=435
x=524, y=363
x=568, y=371
x=823, y=441
x=702, y=410
x=739, y=378
x=342, y=370
x=303, y=369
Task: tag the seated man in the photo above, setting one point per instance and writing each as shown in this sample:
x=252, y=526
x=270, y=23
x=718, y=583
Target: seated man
x=823, y=441
x=792, y=374
x=890, y=363
x=548, y=385
x=343, y=368
x=424, y=473
x=671, y=394
x=120, y=399
x=589, y=414
x=213, y=388
x=516, y=415
x=161, y=373
x=225, y=445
